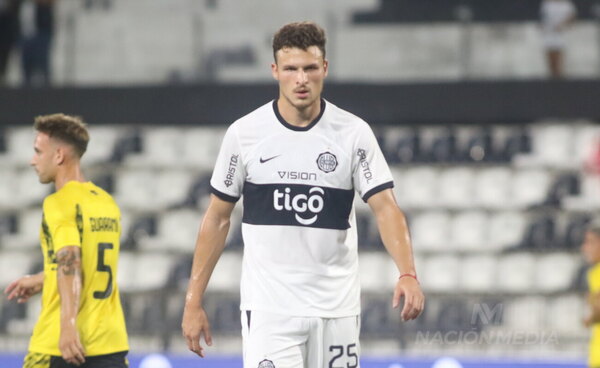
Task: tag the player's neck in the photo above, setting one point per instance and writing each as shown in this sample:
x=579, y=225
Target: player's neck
x=298, y=117
x=67, y=173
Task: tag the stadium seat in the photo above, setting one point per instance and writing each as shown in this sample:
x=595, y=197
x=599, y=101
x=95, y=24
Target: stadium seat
x=552, y=145
x=491, y=187
x=201, y=147
x=418, y=188
x=172, y=187
x=19, y=146
x=133, y=275
x=574, y=232
x=176, y=231
x=430, y=230
x=441, y=274
x=515, y=273
x=27, y=237
x=135, y=230
x=589, y=198
x=376, y=271
x=405, y=148
x=7, y=187
x=22, y=318
x=456, y=187
x=506, y=229
x=541, y=234
x=547, y=277
x=128, y=144
x=8, y=226
x=135, y=189
x=478, y=274
x=529, y=187
x=527, y=313
x=565, y=315
x=515, y=141
x=368, y=233
x=28, y=190
x=14, y=264
x=224, y=312
x=102, y=143
x=227, y=274
x=161, y=147
x=498, y=50
x=444, y=149
x=235, y=241
x=198, y=191
x=468, y=230
x=475, y=145
x=567, y=184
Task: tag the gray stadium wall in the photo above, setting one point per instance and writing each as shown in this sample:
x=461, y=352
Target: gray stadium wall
x=208, y=104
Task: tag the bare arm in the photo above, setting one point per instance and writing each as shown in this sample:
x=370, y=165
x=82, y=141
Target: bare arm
x=209, y=246
x=593, y=301
x=393, y=229
x=69, y=288
x=25, y=287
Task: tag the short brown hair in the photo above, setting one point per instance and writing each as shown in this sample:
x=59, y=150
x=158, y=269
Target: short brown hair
x=68, y=129
x=301, y=35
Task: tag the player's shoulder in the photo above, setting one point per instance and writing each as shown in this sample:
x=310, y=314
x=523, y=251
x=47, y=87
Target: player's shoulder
x=345, y=119
x=59, y=203
x=255, y=118
x=594, y=274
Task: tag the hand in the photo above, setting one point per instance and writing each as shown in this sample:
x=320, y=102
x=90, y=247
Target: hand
x=414, y=300
x=195, y=325
x=70, y=345
x=587, y=321
x=24, y=287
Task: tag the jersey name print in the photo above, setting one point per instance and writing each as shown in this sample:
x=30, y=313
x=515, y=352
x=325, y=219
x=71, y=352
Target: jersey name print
x=298, y=225
x=82, y=215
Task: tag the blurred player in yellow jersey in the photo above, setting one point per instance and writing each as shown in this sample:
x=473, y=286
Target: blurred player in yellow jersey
x=591, y=252
x=81, y=323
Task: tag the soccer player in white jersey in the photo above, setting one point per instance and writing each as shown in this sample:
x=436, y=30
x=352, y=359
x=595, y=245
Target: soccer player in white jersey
x=297, y=163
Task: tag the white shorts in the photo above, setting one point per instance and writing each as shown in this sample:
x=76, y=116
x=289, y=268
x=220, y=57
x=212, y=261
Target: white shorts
x=278, y=341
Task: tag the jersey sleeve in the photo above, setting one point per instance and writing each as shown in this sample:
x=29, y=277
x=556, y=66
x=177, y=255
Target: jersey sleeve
x=593, y=278
x=370, y=171
x=63, y=223
x=227, y=181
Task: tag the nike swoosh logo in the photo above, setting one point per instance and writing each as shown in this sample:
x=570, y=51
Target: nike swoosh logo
x=263, y=160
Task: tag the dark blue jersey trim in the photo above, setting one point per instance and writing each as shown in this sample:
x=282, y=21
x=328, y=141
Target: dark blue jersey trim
x=297, y=128
x=223, y=196
x=377, y=189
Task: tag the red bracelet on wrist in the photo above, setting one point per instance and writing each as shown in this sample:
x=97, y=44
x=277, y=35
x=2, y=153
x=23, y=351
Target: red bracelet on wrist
x=408, y=275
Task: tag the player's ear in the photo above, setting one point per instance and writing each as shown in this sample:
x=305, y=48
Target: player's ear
x=274, y=71
x=326, y=66
x=59, y=155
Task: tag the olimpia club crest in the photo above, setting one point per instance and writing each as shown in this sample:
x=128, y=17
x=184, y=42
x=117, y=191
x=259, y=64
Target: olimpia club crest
x=266, y=364
x=327, y=162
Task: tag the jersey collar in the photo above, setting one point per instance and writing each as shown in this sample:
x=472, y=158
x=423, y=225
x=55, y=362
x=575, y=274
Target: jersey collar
x=297, y=128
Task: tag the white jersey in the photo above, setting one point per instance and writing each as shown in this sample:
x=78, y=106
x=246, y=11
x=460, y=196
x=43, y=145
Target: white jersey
x=298, y=226
x=554, y=13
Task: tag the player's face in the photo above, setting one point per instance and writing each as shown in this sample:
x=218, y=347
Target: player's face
x=591, y=247
x=44, y=159
x=300, y=74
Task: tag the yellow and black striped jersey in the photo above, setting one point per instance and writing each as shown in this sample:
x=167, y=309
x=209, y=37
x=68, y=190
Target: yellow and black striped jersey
x=84, y=215
x=593, y=277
